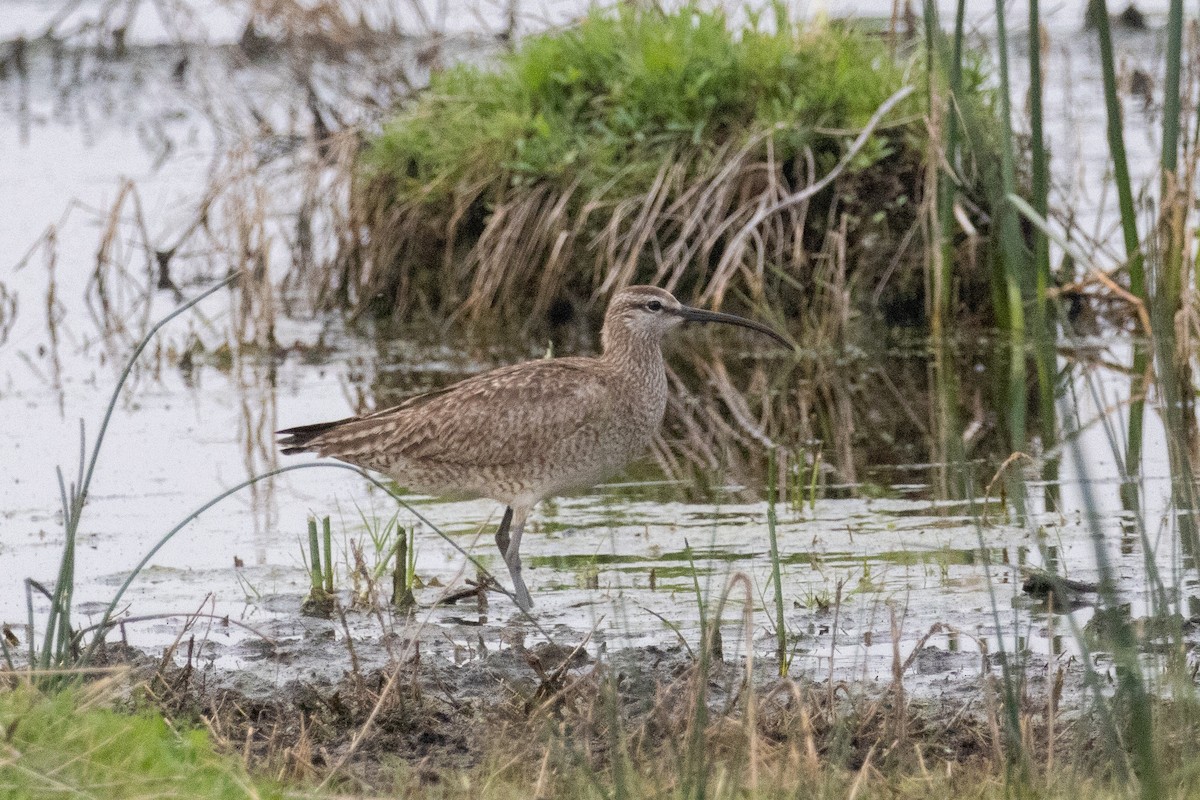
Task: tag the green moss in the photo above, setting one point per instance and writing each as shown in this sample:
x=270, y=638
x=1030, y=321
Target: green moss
x=68, y=746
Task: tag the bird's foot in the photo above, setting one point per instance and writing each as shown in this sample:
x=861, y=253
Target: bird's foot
x=524, y=601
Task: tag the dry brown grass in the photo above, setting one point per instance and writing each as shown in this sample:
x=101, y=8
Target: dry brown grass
x=650, y=723
x=727, y=224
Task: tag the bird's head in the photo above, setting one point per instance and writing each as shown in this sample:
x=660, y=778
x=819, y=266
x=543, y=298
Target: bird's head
x=647, y=313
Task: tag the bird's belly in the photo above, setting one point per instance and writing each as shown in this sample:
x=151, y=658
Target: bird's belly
x=586, y=459
x=572, y=463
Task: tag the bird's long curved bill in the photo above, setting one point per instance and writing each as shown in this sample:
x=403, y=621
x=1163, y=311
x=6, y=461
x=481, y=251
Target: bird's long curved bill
x=700, y=315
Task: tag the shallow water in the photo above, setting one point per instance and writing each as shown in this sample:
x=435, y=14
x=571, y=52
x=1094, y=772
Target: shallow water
x=614, y=562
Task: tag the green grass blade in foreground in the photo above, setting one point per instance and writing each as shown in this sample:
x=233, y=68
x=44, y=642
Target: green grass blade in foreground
x=1153, y=575
x=1114, y=736
x=1133, y=252
x=1131, y=684
x=1017, y=283
x=781, y=652
x=129, y=365
x=59, y=641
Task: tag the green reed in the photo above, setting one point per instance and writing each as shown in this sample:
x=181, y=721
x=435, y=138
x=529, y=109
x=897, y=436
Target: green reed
x=1133, y=250
x=1044, y=330
x=943, y=122
x=404, y=574
x=1012, y=272
x=59, y=643
x=1173, y=198
x=781, y=652
x=321, y=599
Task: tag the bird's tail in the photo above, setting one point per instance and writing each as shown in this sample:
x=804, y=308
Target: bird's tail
x=300, y=439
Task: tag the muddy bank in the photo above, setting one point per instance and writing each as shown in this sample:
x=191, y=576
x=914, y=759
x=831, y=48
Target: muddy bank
x=421, y=717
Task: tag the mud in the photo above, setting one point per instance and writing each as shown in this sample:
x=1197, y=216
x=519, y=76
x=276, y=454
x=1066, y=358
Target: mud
x=425, y=718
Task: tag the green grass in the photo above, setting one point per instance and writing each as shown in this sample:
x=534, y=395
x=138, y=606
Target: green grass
x=607, y=100
x=71, y=745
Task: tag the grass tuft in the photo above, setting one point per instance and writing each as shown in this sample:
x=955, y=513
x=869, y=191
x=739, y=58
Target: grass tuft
x=644, y=145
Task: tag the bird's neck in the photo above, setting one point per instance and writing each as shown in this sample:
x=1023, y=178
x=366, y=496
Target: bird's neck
x=631, y=351
x=637, y=361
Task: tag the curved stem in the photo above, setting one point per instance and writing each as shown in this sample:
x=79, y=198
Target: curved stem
x=108, y=611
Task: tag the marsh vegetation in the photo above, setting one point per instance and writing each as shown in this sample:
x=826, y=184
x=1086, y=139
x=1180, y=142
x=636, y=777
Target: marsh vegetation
x=945, y=547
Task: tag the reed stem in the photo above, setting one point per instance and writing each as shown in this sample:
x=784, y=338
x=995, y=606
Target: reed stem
x=1133, y=252
x=314, y=555
x=776, y=573
x=328, y=542
x=1017, y=285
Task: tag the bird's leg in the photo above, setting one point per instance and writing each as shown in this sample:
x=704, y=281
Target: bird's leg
x=502, y=533
x=512, y=556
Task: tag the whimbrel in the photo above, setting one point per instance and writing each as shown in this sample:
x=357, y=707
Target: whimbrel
x=523, y=433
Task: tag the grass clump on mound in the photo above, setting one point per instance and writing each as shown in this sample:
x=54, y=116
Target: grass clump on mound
x=638, y=146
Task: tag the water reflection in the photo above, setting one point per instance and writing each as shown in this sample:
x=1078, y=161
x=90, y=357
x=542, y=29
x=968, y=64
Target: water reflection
x=854, y=418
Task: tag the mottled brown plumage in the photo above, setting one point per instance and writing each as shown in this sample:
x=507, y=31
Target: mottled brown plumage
x=522, y=433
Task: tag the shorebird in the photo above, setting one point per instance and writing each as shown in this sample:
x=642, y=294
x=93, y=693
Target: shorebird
x=522, y=433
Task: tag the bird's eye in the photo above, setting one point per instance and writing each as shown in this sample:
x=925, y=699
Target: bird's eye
x=654, y=305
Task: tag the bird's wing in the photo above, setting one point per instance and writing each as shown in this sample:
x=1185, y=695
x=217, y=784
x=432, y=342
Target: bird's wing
x=493, y=419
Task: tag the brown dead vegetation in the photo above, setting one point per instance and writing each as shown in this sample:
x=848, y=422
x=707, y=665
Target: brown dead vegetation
x=543, y=715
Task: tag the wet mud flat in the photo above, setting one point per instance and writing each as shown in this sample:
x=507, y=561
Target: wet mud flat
x=373, y=711
x=378, y=698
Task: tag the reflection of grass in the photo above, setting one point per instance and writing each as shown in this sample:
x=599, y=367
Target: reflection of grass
x=578, y=561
